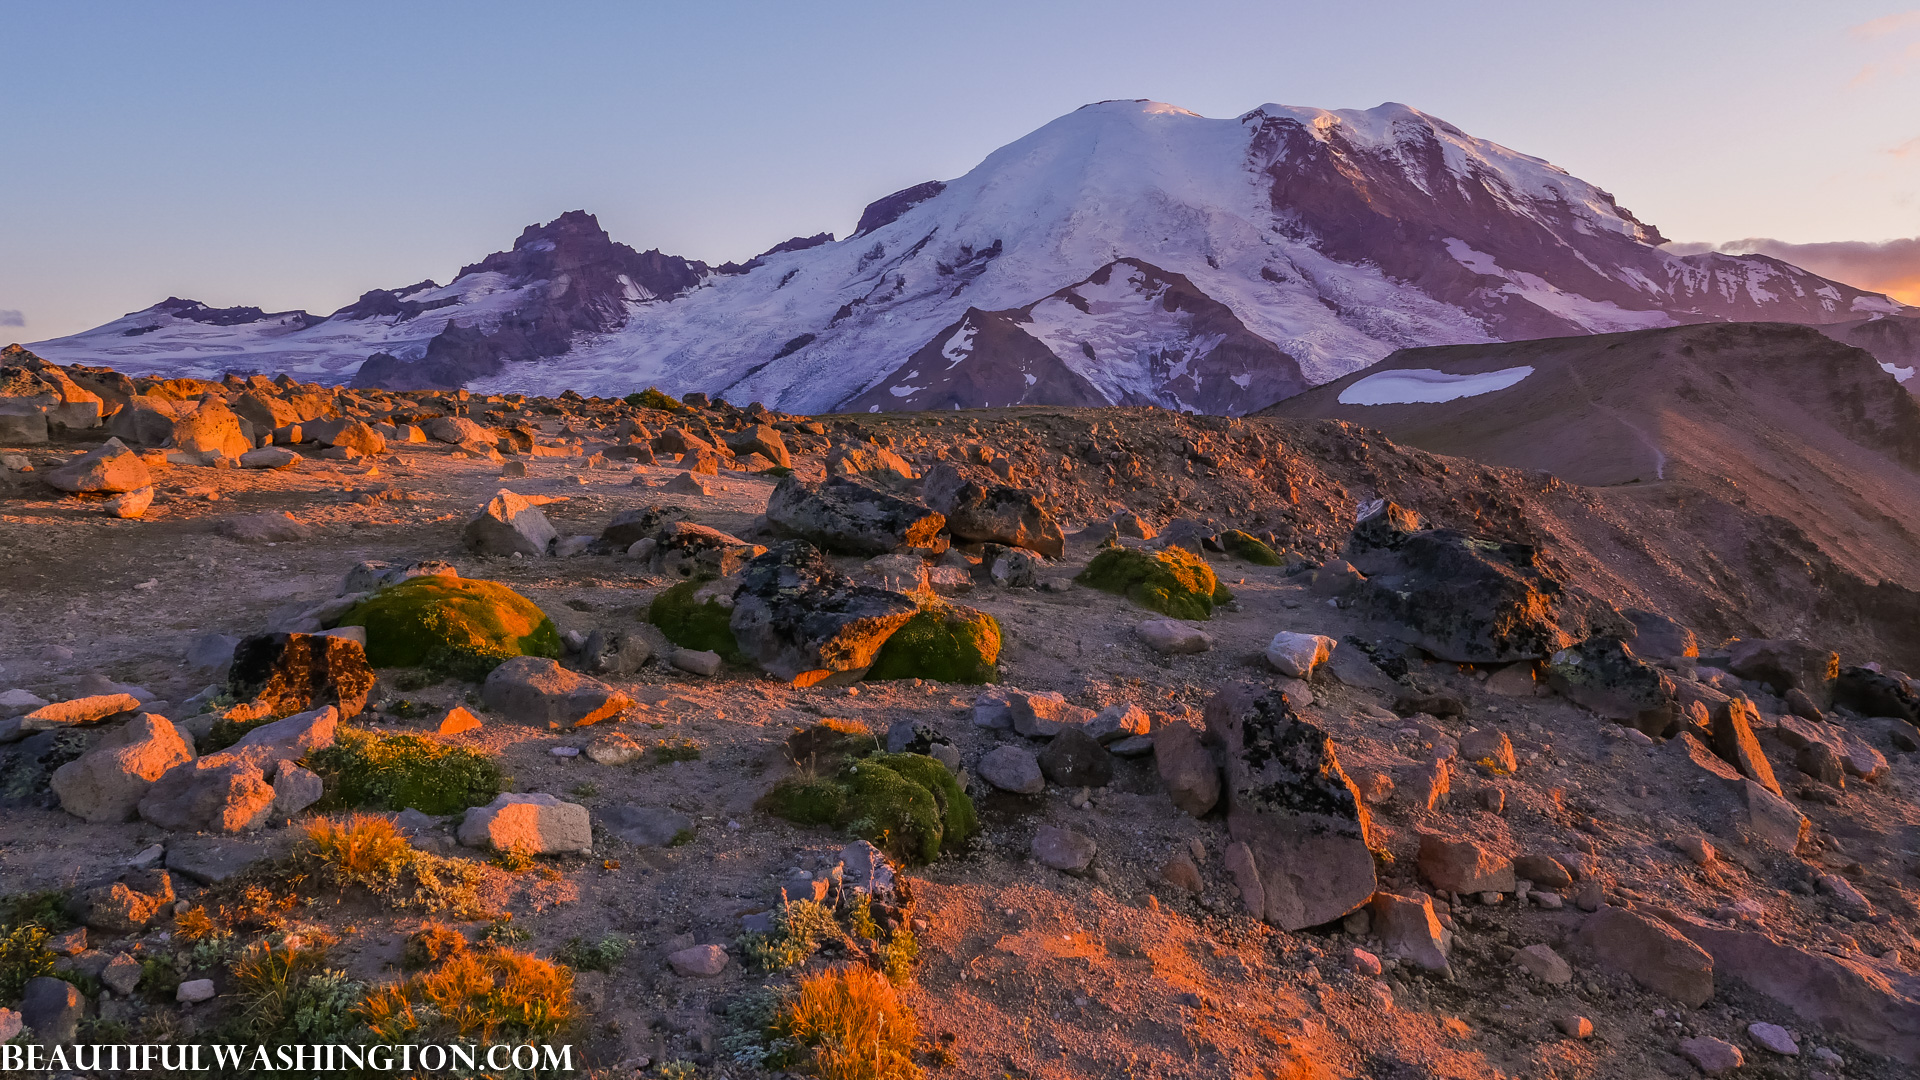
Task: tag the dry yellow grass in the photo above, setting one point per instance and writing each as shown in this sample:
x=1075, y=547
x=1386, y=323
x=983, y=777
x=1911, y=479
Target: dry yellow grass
x=194, y=924
x=359, y=849
x=855, y=1026
x=433, y=943
x=483, y=995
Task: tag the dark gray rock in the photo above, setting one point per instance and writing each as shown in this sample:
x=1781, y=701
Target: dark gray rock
x=1076, y=759
x=1787, y=665
x=614, y=652
x=978, y=513
x=851, y=517
x=52, y=1009
x=803, y=621
x=1603, y=675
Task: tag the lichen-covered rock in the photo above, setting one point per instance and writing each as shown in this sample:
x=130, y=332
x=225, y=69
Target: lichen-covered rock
x=1872, y=693
x=698, y=616
x=683, y=549
x=1602, y=674
x=802, y=620
x=282, y=674
x=1306, y=829
x=1467, y=598
x=509, y=525
x=123, y=905
x=107, y=782
x=1248, y=548
x=535, y=824
x=1787, y=665
x=848, y=517
x=464, y=627
x=945, y=643
x=980, y=514
x=1172, y=582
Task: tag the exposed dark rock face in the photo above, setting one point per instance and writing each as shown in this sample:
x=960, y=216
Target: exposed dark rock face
x=232, y=316
x=802, y=620
x=887, y=209
x=284, y=674
x=1602, y=674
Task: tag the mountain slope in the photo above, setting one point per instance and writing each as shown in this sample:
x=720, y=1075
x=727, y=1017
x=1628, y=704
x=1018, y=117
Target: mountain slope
x=1894, y=340
x=1321, y=241
x=1776, y=419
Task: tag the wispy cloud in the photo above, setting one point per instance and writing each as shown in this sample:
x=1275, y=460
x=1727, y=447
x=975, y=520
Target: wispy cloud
x=1887, y=24
x=1890, y=266
x=12, y=318
x=1909, y=148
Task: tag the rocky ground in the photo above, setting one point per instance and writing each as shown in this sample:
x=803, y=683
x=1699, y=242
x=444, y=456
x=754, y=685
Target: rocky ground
x=1474, y=854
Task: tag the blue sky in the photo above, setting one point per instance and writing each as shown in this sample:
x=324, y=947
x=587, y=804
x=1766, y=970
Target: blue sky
x=296, y=155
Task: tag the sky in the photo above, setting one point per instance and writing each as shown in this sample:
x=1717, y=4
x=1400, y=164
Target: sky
x=294, y=156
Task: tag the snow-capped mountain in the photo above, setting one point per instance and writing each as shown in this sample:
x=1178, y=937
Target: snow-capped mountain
x=1127, y=252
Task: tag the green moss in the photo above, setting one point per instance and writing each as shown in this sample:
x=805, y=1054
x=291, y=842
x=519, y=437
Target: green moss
x=456, y=626
x=652, y=398
x=1173, y=581
x=906, y=804
x=1248, y=549
x=363, y=770
x=945, y=643
x=691, y=624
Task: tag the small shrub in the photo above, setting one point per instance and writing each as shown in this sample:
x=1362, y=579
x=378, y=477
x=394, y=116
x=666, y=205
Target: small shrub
x=431, y=944
x=1247, y=548
x=602, y=955
x=366, y=851
x=800, y=928
x=459, y=627
x=584, y=791
x=501, y=994
x=227, y=732
x=898, y=956
x=23, y=955
x=513, y=860
x=853, y=1026
x=159, y=977
x=679, y=1069
x=945, y=643
x=267, y=977
x=397, y=772
x=751, y=1038
x=907, y=804
x=1173, y=582
x=194, y=924
x=668, y=751
x=47, y=909
x=502, y=932
x=324, y=1008
x=653, y=398
x=694, y=624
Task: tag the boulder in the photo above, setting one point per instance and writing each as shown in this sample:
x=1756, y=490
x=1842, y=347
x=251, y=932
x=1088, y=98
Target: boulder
x=457, y=430
x=1787, y=665
x=869, y=461
x=282, y=674
x=1297, y=655
x=1773, y=820
x=1011, y=768
x=629, y=527
x=107, y=470
x=703, y=662
x=22, y=426
x=1603, y=675
x=1871, y=693
x=1045, y=713
x=78, y=712
x=1489, y=748
x=1658, y=637
x=263, y=528
x=536, y=690
x=1290, y=802
x=1117, y=722
x=194, y=991
x=1734, y=741
x=509, y=525
x=1466, y=598
x=1075, y=759
x=229, y=792
x=1650, y=952
x=762, y=439
x=107, y=782
x=1874, y=1004
x=212, y=429
x=849, y=517
x=359, y=437
x=805, y=622
x=698, y=962
x=52, y=1009
x=1187, y=768
x=1063, y=849
x=1463, y=866
x=211, y=860
x=997, y=514
x=535, y=824
x=683, y=549
x=1544, y=871
x=295, y=788
x=1409, y=929
x=1541, y=962
x=130, y=504
x=1714, y=1057
x=127, y=904
x=618, y=653
x=1173, y=637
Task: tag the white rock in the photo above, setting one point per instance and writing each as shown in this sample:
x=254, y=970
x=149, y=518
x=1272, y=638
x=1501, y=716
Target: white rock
x=1773, y=1037
x=194, y=990
x=1173, y=637
x=537, y=824
x=1298, y=654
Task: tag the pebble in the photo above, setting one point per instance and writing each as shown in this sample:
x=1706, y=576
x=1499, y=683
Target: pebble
x=1715, y=1057
x=194, y=990
x=565, y=751
x=1773, y=1037
x=1575, y=1027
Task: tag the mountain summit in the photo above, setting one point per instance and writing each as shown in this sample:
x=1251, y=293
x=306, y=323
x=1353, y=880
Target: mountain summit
x=1128, y=252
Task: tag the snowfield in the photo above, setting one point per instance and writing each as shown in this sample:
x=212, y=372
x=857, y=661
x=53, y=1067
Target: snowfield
x=1428, y=386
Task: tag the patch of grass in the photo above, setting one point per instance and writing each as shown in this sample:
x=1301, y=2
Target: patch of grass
x=1248, y=548
x=23, y=955
x=431, y=944
x=366, y=851
x=906, y=804
x=853, y=1026
x=395, y=772
x=502, y=932
x=693, y=624
x=1173, y=582
x=667, y=751
x=458, y=627
x=194, y=924
x=944, y=642
x=513, y=860
x=267, y=977
x=227, y=732
x=898, y=956
x=492, y=996
x=800, y=928
x=584, y=791
x=160, y=976
x=46, y=908
x=601, y=955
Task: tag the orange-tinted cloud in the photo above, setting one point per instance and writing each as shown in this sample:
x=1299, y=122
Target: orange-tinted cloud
x=1891, y=266
x=1887, y=24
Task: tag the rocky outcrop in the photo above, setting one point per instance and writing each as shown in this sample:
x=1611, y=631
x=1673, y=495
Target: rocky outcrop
x=282, y=674
x=108, y=470
x=980, y=514
x=230, y=792
x=1603, y=675
x=803, y=621
x=1291, y=804
x=848, y=517
x=535, y=690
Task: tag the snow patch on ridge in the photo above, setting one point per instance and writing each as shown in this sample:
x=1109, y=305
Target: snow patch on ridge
x=1424, y=386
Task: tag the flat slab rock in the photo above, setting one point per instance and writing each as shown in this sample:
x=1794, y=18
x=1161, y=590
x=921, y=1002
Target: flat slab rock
x=537, y=824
